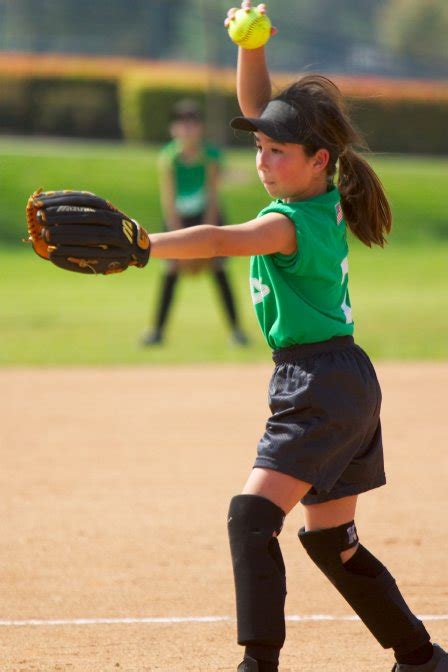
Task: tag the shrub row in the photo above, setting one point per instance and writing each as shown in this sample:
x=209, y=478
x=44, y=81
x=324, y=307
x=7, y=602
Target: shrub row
x=136, y=107
x=146, y=108
x=65, y=106
x=404, y=126
x=389, y=125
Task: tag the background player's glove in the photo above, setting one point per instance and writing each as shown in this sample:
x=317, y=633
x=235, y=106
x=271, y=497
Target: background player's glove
x=81, y=232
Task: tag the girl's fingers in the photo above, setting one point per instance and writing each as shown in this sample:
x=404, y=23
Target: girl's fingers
x=263, y=9
x=230, y=16
x=246, y=5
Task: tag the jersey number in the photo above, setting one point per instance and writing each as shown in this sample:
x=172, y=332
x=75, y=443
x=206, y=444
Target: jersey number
x=346, y=309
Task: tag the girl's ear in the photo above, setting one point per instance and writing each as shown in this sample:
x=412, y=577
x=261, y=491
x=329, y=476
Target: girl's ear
x=321, y=160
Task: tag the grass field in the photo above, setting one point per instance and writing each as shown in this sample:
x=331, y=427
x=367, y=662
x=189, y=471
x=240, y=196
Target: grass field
x=399, y=294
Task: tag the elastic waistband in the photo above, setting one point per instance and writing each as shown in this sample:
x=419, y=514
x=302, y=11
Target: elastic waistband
x=291, y=354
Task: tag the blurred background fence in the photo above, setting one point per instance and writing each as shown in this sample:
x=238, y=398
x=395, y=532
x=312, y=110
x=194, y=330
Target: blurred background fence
x=111, y=69
x=404, y=38
x=130, y=99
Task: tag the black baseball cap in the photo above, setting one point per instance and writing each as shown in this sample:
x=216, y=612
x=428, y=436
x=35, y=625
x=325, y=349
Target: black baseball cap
x=279, y=120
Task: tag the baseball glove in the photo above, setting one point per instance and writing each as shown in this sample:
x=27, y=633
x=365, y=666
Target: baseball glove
x=81, y=232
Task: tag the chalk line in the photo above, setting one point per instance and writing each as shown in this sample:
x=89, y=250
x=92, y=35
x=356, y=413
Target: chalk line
x=185, y=619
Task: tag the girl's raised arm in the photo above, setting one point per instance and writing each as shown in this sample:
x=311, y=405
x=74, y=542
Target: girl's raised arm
x=252, y=80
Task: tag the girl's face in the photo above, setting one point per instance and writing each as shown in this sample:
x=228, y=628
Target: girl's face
x=287, y=172
x=187, y=131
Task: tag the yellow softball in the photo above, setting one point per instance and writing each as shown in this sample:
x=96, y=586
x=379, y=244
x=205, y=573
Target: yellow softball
x=250, y=28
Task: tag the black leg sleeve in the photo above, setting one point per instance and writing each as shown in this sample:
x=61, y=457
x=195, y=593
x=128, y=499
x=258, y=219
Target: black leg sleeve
x=367, y=586
x=259, y=571
x=225, y=291
x=169, y=282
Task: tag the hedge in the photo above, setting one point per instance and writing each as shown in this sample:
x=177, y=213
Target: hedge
x=145, y=109
x=134, y=103
x=72, y=106
x=388, y=125
x=404, y=126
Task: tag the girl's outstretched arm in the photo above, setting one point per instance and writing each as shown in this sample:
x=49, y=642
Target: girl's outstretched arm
x=252, y=78
x=268, y=234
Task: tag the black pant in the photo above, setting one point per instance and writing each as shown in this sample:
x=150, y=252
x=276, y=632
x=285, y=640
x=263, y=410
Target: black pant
x=169, y=282
x=171, y=277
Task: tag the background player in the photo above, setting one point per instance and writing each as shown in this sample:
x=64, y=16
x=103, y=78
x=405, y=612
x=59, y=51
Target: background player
x=189, y=176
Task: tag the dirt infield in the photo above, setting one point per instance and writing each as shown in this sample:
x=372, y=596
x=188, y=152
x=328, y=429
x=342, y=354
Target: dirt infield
x=115, y=486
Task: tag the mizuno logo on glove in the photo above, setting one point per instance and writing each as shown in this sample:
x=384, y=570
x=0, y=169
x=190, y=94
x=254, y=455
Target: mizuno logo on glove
x=128, y=230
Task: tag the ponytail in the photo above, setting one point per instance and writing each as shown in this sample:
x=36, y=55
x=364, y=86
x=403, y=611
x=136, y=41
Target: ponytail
x=327, y=124
x=364, y=203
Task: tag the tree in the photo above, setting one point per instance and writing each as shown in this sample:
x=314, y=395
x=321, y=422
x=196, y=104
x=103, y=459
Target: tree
x=140, y=28
x=416, y=29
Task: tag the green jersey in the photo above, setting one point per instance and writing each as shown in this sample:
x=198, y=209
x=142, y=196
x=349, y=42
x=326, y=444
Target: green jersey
x=190, y=178
x=303, y=297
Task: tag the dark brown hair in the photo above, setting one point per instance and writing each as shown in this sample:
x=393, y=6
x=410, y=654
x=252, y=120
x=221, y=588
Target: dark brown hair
x=326, y=124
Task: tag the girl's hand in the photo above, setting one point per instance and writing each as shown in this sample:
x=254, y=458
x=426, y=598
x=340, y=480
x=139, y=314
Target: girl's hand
x=246, y=5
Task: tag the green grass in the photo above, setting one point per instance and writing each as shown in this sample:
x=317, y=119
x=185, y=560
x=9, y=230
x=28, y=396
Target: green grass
x=416, y=187
x=127, y=175
x=48, y=316
x=51, y=317
x=400, y=300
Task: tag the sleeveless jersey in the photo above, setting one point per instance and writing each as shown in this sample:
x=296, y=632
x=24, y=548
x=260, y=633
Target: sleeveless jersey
x=190, y=179
x=303, y=297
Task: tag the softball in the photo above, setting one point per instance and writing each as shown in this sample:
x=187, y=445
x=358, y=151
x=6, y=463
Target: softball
x=249, y=29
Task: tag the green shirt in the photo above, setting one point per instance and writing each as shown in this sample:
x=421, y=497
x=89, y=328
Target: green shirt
x=303, y=297
x=190, y=179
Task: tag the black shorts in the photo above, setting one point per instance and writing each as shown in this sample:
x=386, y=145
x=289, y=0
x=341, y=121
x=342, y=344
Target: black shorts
x=217, y=263
x=325, y=425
